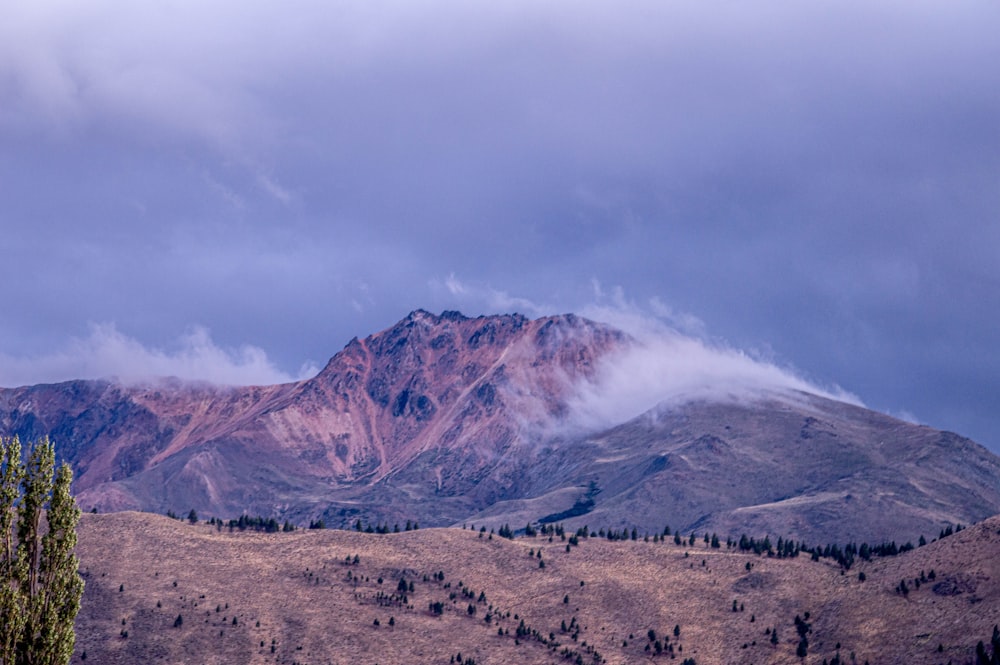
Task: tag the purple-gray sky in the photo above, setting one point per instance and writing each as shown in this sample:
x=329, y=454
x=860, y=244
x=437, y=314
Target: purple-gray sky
x=234, y=189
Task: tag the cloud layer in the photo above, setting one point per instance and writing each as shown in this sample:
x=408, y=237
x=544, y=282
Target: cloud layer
x=670, y=359
x=108, y=354
x=819, y=178
x=665, y=367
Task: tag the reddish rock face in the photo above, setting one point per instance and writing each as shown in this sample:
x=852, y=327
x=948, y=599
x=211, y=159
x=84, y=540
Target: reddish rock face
x=437, y=401
x=445, y=419
x=438, y=384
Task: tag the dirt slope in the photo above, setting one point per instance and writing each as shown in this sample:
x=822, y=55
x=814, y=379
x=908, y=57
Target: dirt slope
x=240, y=593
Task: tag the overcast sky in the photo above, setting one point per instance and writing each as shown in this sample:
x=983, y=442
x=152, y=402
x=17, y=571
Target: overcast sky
x=234, y=190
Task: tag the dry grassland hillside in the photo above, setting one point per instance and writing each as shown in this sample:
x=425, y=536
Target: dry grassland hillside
x=163, y=591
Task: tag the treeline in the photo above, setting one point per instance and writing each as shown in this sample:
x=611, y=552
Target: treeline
x=273, y=525
x=248, y=523
x=258, y=523
x=384, y=528
x=845, y=555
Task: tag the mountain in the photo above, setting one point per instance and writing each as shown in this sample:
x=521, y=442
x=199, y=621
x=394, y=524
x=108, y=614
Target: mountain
x=448, y=419
x=431, y=411
x=315, y=597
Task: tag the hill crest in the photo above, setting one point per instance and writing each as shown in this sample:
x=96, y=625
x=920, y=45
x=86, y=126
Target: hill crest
x=493, y=601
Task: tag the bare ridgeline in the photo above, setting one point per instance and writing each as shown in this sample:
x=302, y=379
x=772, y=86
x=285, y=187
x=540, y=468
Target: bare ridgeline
x=448, y=420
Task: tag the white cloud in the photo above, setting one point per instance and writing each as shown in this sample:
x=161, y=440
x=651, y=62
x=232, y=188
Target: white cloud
x=272, y=187
x=671, y=359
x=108, y=353
x=664, y=366
x=493, y=301
x=682, y=321
x=906, y=416
x=454, y=285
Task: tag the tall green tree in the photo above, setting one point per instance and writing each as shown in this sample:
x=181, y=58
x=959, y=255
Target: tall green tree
x=40, y=588
x=11, y=614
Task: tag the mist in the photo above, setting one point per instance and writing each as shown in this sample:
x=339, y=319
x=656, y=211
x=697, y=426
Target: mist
x=664, y=366
x=107, y=353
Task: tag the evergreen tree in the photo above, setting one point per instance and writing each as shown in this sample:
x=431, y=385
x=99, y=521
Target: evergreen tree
x=40, y=588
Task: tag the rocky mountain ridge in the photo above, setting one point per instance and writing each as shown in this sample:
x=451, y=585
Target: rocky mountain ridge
x=443, y=419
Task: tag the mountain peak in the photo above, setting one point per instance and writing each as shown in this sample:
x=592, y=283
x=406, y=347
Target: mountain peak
x=420, y=314
x=445, y=418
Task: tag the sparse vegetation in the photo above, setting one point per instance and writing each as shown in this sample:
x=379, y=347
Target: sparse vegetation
x=495, y=594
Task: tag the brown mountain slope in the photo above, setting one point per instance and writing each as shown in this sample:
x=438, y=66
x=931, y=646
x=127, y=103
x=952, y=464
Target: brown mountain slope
x=294, y=598
x=445, y=419
x=793, y=464
x=447, y=397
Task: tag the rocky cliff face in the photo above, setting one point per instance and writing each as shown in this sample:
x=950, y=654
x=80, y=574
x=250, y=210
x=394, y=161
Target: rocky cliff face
x=436, y=409
x=446, y=418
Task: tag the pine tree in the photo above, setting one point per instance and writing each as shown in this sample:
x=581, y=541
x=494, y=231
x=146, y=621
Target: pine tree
x=40, y=588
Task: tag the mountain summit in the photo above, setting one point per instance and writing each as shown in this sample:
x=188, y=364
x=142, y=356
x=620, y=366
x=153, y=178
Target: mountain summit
x=444, y=418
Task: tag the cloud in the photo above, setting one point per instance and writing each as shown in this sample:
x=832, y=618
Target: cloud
x=273, y=188
x=614, y=307
x=108, y=353
x=246, y=166
x=664, y=366
x=455, y=286
x=669, y=361
x=906, y=416
x=488, y=299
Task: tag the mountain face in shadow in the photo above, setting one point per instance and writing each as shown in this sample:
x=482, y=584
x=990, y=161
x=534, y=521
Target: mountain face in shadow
x=445, y=419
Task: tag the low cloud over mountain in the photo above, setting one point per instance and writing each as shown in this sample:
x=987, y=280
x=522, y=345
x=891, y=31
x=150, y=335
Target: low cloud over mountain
x=107, y=353
x=446, y=418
